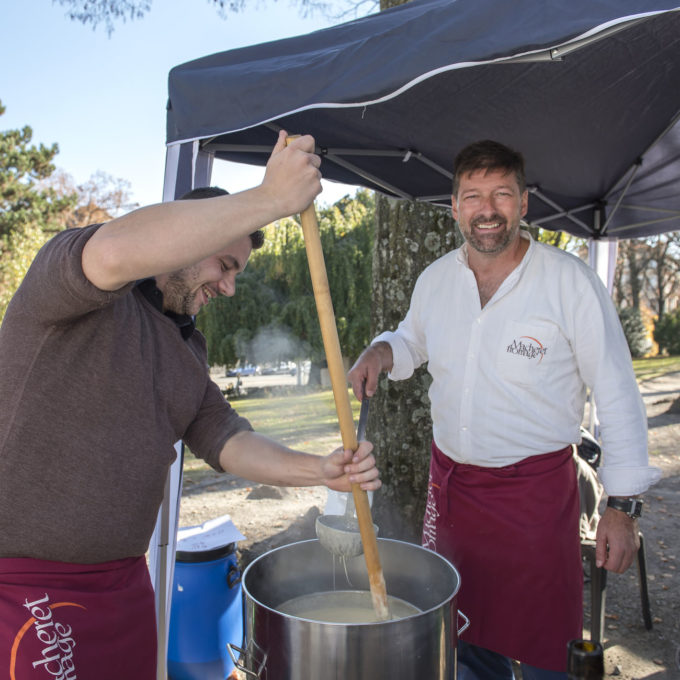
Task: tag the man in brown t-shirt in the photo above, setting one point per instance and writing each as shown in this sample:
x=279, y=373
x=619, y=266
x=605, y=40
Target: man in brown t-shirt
x=101, y=373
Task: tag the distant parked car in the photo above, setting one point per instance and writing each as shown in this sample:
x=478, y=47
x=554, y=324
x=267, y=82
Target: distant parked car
x=248, y=370
x=242, y=371
x=286, y=368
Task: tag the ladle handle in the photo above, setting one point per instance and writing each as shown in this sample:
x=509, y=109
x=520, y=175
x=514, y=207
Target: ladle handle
x=363, y=414
x=361, y=432
x=336, y=370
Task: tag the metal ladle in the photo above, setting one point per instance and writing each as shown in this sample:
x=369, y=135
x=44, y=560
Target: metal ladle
x=339, y=534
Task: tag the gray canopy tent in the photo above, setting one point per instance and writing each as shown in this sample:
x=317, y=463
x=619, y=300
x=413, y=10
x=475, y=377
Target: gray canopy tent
x=588, y=90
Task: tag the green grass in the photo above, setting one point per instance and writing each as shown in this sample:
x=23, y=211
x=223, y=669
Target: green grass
x=655, y=366
x=295, y=420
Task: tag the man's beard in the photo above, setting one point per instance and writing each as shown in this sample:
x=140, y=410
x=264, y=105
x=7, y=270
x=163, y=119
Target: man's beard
x=490, y=244
x=178, y=295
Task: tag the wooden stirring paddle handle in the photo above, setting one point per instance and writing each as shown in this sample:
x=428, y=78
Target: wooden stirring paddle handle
x=329, y=333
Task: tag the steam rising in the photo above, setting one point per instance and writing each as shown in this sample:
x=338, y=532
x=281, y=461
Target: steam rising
x=273, y=344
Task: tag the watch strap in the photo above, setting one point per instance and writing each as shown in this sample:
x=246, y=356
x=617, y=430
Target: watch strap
x=631, y=506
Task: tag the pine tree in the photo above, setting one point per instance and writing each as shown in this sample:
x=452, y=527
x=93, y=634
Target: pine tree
x=29, y=213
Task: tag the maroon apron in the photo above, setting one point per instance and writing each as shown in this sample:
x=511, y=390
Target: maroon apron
x=513, y=534
x=63, y=621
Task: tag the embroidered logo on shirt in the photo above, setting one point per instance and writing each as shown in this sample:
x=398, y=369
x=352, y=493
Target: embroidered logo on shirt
x=528, y=347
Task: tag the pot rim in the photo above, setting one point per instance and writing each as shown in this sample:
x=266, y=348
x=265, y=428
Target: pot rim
x=450, y=598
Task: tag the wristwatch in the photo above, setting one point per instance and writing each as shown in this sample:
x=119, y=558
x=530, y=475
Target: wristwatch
x=631, y=506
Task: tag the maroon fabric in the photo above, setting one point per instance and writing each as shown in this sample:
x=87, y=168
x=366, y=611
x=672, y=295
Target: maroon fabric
x=63, y=621
x=512, y=533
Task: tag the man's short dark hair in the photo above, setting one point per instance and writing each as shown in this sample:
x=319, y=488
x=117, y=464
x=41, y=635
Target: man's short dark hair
x=256, y=238
x=488, y=155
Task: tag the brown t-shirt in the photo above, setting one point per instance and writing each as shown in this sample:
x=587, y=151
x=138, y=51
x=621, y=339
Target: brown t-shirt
x=96, y=388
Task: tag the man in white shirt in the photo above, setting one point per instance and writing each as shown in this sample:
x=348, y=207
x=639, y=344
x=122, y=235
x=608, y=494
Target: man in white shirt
x=514, y=332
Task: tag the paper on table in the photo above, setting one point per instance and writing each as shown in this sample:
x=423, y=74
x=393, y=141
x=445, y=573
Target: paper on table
x=214, y=533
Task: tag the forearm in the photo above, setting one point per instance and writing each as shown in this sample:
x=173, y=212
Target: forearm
x=255, y=457
x=166, y=237
x=169, y=236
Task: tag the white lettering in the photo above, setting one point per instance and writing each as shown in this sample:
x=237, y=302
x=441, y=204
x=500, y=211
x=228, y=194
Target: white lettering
x=28, y=604
x=430, y=521
x=66, y=644
x=57, y=654
x=47, y=660
x=46, y=638
x=68, y=666
x=62, y=630
x=39, y=626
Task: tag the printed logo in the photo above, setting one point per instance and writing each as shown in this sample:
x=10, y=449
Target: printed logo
x=56, y=639
x=430, y=520
x=528, y=347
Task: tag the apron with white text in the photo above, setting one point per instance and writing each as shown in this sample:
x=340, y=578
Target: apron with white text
x=62, y=621
x=513, y=534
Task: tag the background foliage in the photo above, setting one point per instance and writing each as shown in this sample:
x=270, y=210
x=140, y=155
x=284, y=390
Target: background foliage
x=272, y=317
x=635, y=331
x=37, y=200
x=667, y=333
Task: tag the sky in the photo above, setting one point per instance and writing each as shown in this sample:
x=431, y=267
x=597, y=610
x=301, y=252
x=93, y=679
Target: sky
x=102, y=99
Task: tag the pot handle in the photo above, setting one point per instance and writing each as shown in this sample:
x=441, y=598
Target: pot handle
x=466, y=625
x=231, y=648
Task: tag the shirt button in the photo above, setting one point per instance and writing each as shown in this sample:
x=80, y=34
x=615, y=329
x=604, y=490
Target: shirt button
x=464, y=428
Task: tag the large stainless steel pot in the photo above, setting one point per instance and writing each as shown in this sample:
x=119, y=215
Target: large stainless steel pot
x=283, y=647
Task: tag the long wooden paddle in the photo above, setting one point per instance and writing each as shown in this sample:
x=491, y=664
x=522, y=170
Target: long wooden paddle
x=331, y=343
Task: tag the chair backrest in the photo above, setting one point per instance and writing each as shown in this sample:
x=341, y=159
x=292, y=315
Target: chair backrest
x=590, y=493
x=589, y=449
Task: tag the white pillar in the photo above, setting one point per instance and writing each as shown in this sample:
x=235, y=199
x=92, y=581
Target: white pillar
x=186, y=167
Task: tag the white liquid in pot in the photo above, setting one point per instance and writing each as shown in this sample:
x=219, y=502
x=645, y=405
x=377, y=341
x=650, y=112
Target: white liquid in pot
x=343, y=606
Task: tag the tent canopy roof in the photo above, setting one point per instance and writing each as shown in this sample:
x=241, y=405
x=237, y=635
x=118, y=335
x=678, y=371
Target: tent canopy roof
x=588, y=91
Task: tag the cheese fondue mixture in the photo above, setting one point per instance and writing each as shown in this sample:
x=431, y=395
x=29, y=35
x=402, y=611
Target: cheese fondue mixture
x=343, y=606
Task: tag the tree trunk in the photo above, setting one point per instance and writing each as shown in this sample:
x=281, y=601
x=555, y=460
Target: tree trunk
x=408, y=237
x=635, y=269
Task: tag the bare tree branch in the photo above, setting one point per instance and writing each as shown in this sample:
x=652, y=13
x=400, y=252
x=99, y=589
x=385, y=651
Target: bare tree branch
x=109, y=12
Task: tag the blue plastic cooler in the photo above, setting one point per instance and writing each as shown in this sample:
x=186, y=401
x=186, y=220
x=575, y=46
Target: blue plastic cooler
x=206, y=614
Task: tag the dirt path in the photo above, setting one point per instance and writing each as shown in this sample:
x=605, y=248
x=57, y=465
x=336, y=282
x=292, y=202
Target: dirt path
x=631, y=651
x=270, y=517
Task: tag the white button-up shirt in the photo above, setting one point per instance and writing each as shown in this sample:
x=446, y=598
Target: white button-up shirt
x=510, y=379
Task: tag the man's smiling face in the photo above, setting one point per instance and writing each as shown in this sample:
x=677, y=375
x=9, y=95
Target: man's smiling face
x=488, y=207
x=187, y=290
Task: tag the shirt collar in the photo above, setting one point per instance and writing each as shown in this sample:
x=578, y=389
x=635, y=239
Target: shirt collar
x=153, y=295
